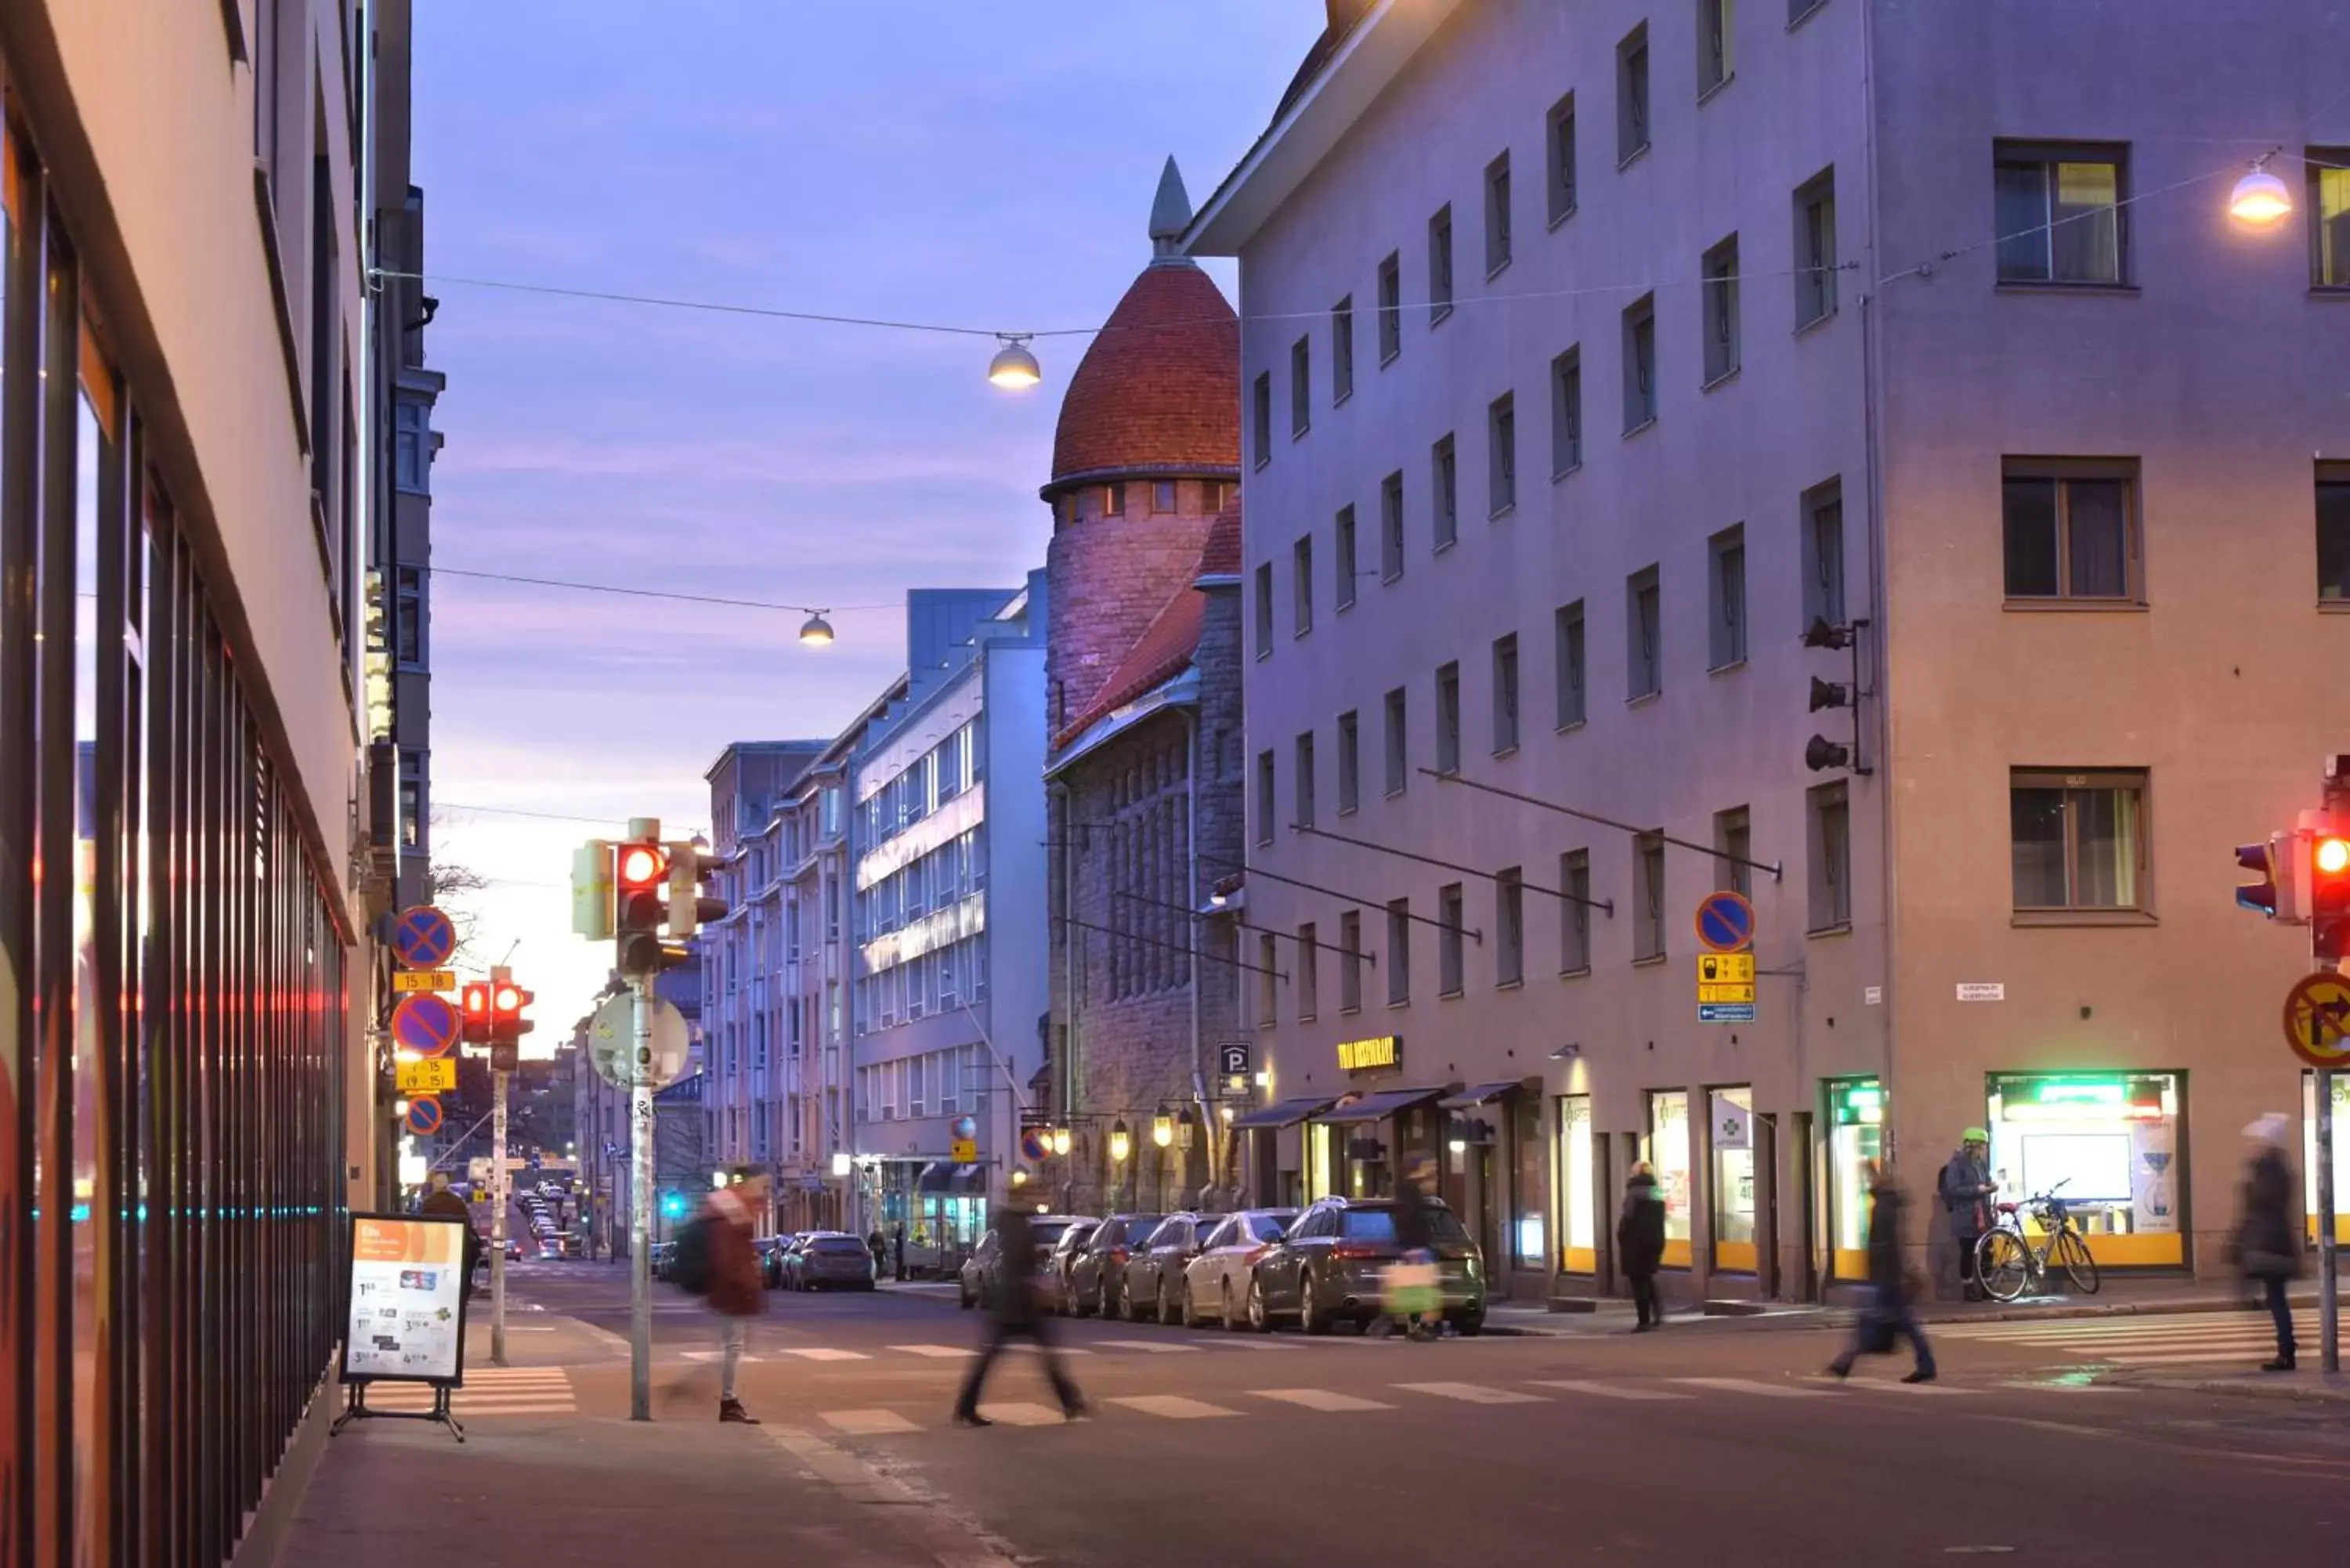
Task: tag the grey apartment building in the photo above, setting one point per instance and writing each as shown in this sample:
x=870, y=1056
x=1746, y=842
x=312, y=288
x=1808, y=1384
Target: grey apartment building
x=1592, y=354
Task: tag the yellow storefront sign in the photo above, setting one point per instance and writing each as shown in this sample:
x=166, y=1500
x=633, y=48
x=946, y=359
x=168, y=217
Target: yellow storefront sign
x=1368, y=1056
x=437, y=1075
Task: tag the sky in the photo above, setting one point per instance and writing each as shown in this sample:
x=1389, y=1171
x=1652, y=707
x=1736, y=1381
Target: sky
x=984, y=165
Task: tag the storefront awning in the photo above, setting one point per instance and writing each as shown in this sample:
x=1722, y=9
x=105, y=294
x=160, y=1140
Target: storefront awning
x=1379, y=1106
x=936, y=1177
x=1284, y=1113
x=1480, y=1094
x=971, y=1178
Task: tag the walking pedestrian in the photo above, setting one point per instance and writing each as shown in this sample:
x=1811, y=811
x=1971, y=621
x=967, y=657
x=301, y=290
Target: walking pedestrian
x=1887, y=1319
x=879, y=1248
x=898, y=1245
x=1415, y=1233
x=1965, y=1187
x=1641, y=1244
x=1014, y=1315
x=2268, y=1239
x=737, y=1291
x=445, y=1203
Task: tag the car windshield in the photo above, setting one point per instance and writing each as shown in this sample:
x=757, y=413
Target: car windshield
x=1044, y=1233
x=1270, y=1227
x=839, y=1246
x=1377, y=1225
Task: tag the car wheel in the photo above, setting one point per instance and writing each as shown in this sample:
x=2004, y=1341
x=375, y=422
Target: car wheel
x=1233, y=1322
x=1079, y=1305
x=1190, y=1317
x=1259, y=1320
x=1308, y=1310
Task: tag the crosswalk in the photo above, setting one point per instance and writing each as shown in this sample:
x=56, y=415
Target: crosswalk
x=2178, y=1340
x=1138, y=1348
x=488, y=1391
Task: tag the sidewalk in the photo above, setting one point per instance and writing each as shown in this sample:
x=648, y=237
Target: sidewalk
x=2118, y=1298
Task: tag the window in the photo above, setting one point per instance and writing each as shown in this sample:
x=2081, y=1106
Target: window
x=1301, y=583
x=1263, y=424
x=1505, y=694
x=2334, y=530
x=2329, y=217
x=1714, y=64
x=1309, y=980
x=1823, y=553
x=1568, y=637
x=1343, y=558
x=1268, y=980
x=1444, y=482
x=1448, y=718
x=1831, y=857
x=1510, y=926
x=1397, y=756
x=1726, y=624
x=1391, y=308
x=1351, y=762
x=1647, y=898
x=1562, y=159
x=1301, y=387
x=412, y=800
x=1265, y=609
x=1816, y=248
x=2060, y=218
x=1566, y=413
x=1351, y=962
x=1448, y=913
x=1644, y=611
x=407, y=617
x=1497, y=215
x=1640, y=363
x=1502, y=441
x=1211, y=496
x=412, y=447
x=1264, y=798
x=2080, y=839
x=1733, y=837
x=1302, y=786
x=1391, y=526
x=1113, y=500
x=1439, y=264
x=1721, y=310
x=1342, y=350
x=1574, y=922
x=1162, y=495
x=2071, y=529
x=1632, y=95
x=1399, y=951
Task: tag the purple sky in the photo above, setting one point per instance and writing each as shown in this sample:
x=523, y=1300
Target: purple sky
x=982, y=165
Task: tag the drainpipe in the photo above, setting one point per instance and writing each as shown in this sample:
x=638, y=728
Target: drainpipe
x=1873, y=391
x=1069, y=935
x=1192, y=936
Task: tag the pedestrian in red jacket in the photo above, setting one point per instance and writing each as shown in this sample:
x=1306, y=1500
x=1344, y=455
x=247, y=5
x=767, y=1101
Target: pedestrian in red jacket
x=737, y=1291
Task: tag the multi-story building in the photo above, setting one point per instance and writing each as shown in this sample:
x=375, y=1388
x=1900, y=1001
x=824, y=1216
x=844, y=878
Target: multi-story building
x=1594, y=355
x=186, y=878
x=1143, y=769
x=947, y=867
x=812, y=1140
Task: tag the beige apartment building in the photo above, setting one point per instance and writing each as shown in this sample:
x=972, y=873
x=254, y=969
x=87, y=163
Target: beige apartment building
x=1592, y=356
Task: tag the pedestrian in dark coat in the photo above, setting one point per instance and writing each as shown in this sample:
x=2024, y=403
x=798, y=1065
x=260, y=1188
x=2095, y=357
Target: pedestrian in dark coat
x=1887, y=1319
x=879, y=1248
x=447, y=1205
x=2268, y=1236
x=1965, y=1187
x=1641, y=1244
x=898, y=1245
x=738, y=1290
x=1014, y=1315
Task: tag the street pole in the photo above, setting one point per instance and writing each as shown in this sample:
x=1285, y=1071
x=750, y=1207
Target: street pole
x=498, y=1199
x=640, y=1207
x=2329, y=1322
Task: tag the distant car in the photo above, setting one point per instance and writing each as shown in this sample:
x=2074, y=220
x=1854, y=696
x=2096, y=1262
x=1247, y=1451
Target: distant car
x=1098, y=1275
x=550, y=1251
x=659, y=1259
x=767, y=1248
x=827, y=1259
x=988, y=1271
x=1053, y=1278
x=1154, y=1275
x=779, y=1262
x=1327, y=1268
x=1218, y=1279
x=514, y=1249
x=971, y=1279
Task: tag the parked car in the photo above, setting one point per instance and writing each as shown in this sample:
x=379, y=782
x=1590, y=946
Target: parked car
x=1052, y=1278
x=785, y=1253
x=1098, y=1275
x=971, y=1279
x=1154, y=1274
x=659, y=1257
x=982, y=1273
x=1326, y=1267
x=767, y=1249
x=826, y=1260
x=1216, y=1280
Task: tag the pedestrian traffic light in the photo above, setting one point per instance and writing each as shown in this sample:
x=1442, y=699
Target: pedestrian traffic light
x=591, y=890
x=640, y=906
x=474, y=1023
x=2329, y=899
x=691, y=865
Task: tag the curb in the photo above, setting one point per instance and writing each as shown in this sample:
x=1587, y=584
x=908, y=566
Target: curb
x=1948, y=1315
x=2337, y=1392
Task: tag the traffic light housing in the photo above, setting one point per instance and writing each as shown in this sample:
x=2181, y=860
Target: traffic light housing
x=591, y=890
x=690, y=865
x=2276, y=888
x=473, y=1012
x=2329, y=898
x=640, y=906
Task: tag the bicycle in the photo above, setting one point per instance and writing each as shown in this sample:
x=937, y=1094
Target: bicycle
x=2008, y=1265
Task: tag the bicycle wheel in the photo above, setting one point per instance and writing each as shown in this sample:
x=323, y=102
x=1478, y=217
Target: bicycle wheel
x=2003, y=1264
x=2073, y=1253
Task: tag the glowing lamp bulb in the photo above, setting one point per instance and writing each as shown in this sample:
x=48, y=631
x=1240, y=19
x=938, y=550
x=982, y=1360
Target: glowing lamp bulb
x=2259, y=197
x=2333, y=855
x=639, y=863
x=509, y=999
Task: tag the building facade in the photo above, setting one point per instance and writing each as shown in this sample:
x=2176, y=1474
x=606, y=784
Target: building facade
x=818, y=1192
x=1597, y=354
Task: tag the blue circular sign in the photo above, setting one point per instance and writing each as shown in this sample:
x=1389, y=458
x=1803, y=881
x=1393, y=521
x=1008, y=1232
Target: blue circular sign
x=1725, y=923
x=426, y=1025
x=423, y=936
x=424, y=1115
x=1033, y=1144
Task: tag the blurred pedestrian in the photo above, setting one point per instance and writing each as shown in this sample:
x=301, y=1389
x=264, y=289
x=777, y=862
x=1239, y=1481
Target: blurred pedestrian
x=1886, y=1319
x=2268, y=1239
x=898, y=1245
x=1641, y=1244
x=445, y=1203
x=1014, y=1315
x=738, y=1290
x=879, y=1248
x=1965, y=1187
x=1415, y=1233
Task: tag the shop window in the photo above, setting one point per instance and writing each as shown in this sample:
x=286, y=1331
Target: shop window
x=2112, y=1139
x=1731, y=1135
x=1578, y=1252
x=1855, y=1136
x=1667, y=1150
x=1319, y=1139
x=2341, y=1154
x=1528, y=1248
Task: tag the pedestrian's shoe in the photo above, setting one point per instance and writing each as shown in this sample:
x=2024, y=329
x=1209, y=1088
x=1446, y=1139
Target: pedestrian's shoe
x=731, y=1410
x=2284, y=1363
x=1075, y=1410
x=1839, y=1368
x=1921, y=1375
x=968, y=1417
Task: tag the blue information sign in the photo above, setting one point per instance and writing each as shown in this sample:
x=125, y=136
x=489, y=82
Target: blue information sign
x=426, y=1025
x=1725, y=923
x=1725, y=1012
x=423, y=936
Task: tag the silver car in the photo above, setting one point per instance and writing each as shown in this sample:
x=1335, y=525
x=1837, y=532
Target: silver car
x=829, y=1259
x=1217, y=1280
x=1154, y=1276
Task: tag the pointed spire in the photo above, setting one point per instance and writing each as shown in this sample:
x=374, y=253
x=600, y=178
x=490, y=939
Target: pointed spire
x=1171, y=214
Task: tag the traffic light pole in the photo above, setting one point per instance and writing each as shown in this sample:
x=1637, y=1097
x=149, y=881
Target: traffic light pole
x=641, y=1206
x=2329, y=1316
x=498, y=1201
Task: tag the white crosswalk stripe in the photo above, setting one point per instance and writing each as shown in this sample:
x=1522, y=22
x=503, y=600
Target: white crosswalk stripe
x=1611, y=1390
x=1018, y=1415
x=1173, y=1407
x=1319, y=1399
x=935, y=1352
x=1753, y=1386
x=1891, y=1386
x=2172, y=1341
x=488, y=1391
x=869, y=1423
x=822, y=1355
x=1471, y=1393
x=1148, y=1347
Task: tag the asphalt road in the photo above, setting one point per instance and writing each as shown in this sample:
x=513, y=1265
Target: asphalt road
x=1708, y=1442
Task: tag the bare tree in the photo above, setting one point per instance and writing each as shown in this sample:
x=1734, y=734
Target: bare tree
x=453, y=888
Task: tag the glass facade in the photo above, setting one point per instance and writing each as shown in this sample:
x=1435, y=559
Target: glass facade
x=172, y=980
x=1856, y=1110
x=2112, y=1140
x=1666, y=1147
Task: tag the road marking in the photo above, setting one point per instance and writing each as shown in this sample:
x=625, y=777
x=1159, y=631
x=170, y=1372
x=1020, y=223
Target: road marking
x=1319, y=1399
x=825, y=1354
x=1750, y=1385
x=1471, y=1393
x=1057, y=1350
x=1022, y=1414
x=717, y=1355
x=1147, y=1347
x=1173, y=1407
x=946, y=1537
x=869, y=1423
x=1889, y=1386
x=935, y=1352
x=1613, y=1390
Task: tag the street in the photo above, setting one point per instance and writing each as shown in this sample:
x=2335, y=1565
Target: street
x=2055, y=1441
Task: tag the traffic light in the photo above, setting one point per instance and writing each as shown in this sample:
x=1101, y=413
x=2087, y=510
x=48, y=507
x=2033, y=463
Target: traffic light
x=690, y=865
x=591, y=890
x=2329, y=899
x=2277, y=891
x=673, y=1205
x=640, y=906
x=473, y=1011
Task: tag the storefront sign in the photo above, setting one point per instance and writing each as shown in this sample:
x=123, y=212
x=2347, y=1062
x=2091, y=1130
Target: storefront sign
x=1860, y=1103
x=1982, y=990
x=408, y=1299
x=1374, y=1055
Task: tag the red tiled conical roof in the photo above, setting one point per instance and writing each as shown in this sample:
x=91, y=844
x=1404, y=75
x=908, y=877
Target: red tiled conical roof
x=1159, y=388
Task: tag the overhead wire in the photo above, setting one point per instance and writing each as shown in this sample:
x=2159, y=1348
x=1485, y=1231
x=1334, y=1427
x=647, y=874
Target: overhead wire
x=651, y=593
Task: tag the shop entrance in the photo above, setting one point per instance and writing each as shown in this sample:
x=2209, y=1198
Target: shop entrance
x=1856, y=1136
x=1580, y=1194
x=2112, y=1139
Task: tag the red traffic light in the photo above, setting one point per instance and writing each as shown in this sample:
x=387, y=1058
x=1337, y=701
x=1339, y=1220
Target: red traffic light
x=642, y=865
x=509, y=1000
x=476, y=1003
x=2332, y=856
